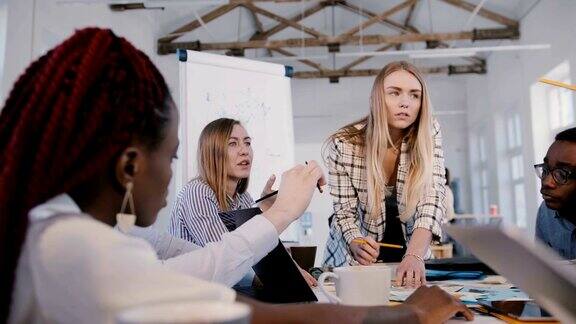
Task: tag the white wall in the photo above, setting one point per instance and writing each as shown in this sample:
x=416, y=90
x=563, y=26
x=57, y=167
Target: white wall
x=3, y=24
x=34, y=26
x=448, y=95
x=506, y=89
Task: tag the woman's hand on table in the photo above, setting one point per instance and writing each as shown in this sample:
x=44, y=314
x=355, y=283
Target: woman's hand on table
x=365, y=250
x=311, y=281
x=411, y=272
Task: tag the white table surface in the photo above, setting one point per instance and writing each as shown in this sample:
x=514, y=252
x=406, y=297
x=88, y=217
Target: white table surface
x=477, y=317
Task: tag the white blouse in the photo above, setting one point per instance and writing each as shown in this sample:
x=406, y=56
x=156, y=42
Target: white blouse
x=75, y=269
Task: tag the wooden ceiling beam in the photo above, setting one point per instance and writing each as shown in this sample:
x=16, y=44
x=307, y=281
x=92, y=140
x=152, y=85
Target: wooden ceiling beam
x=313, y=42
x=390, y=23
x=477, y=34
x=269, y=1
x=407, y=21
x=259, y=27
x=488, y=14
x=281, y=26
x=222, y=10
x=283, y=20
x=365, y=58
x=315, y=65
x=352, y=73
x=408, y=18
x=407, y=28
x=369, y=14
x=377, y=18
x=403, y=28
x=260, y=30
x=450, y=70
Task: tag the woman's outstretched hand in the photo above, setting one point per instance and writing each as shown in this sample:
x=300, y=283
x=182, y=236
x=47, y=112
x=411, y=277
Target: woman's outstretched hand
x=268, y=202
x=294, y=194
x=411, y=272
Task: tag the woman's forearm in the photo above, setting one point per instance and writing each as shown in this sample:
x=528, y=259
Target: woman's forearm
x=419, y=242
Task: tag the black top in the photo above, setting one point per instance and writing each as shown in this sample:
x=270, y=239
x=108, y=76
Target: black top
x=393, y=233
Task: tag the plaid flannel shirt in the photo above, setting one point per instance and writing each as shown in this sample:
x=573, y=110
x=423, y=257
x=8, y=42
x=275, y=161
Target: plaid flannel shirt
x=348, y=187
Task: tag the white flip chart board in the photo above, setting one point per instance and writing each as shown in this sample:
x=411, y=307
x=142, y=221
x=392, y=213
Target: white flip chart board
x=258, y=94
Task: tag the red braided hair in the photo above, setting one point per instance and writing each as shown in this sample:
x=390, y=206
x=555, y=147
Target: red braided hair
x=68, y=116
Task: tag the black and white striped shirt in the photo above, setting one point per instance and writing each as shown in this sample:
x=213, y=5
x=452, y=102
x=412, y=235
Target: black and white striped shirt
x=195, y=214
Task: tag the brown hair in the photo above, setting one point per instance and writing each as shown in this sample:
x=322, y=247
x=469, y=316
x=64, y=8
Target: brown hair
x=213, y=158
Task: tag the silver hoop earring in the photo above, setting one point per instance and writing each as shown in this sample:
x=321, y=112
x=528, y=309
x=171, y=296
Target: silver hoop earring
x=125, y=221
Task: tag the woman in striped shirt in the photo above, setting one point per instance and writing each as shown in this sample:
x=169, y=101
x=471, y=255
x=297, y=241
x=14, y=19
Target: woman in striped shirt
x=386, y=176
x=224, y=164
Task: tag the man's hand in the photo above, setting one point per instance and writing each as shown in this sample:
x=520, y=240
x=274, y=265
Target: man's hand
x=433, y=305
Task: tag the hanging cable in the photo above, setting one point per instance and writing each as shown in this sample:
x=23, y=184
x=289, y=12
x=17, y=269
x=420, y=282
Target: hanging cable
x=301, y=29
x=203, y=24
x=239, y=23
x=430, y=16
x=361, y=27
x=333, y=34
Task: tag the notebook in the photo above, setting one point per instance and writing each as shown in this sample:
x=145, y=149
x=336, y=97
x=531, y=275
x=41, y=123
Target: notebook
x=281, y=279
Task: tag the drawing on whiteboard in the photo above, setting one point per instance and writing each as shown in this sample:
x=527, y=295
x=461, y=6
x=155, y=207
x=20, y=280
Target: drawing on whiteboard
x=249, y=106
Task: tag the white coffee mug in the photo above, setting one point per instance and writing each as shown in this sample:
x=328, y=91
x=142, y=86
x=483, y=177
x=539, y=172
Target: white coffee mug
x=358, y=285
x=189, y=312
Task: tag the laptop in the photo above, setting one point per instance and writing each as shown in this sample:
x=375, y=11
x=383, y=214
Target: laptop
x=530, y=265
x=281, y=279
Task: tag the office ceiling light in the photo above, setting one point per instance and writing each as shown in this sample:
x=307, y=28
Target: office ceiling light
x=447, y=52
x=441, y=55
x=292, y=58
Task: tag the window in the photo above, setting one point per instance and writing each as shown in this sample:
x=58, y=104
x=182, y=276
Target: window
x=520, y=204
x=514, y=131
x=516, y=165
x=481, y=175
x=560, y=106
x=559, y=101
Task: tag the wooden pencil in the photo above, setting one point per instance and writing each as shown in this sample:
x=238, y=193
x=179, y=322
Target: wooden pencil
x=394, y=246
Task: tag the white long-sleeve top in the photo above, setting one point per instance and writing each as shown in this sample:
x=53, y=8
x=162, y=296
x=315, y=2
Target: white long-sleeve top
x=232, y=268
x=75, y=269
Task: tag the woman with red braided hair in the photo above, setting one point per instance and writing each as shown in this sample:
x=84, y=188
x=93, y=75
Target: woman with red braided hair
x=88, y=126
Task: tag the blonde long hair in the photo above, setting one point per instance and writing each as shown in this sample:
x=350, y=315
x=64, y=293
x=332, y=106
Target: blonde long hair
x=213, y=158
x=373, y=135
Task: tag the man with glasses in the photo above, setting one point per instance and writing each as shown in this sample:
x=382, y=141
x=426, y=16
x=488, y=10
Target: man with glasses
x=556, y=222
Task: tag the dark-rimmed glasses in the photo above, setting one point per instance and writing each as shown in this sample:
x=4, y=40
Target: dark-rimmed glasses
x=561, y=175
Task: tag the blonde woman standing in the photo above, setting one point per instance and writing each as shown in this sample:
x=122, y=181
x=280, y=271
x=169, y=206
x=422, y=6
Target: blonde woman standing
x=387, y=179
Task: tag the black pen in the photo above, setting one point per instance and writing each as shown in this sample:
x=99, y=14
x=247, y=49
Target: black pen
x=317, y=184
x=275, y=192
x=267, y=196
